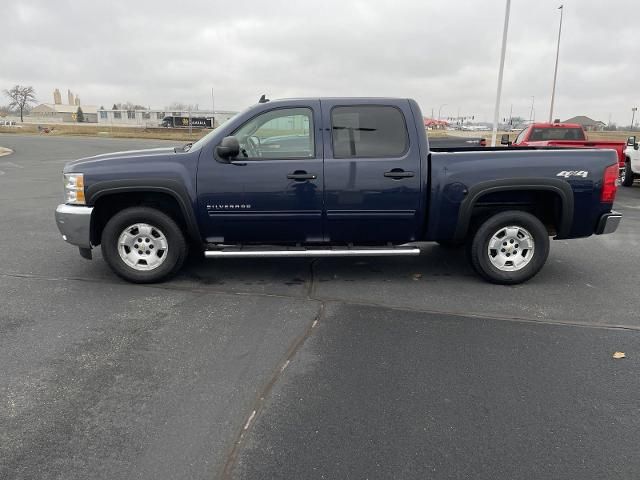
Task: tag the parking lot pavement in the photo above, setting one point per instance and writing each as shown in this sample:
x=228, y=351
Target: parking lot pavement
x=103, y=379
x=380, y=393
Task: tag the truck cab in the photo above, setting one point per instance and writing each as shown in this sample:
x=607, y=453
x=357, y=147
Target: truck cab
x=540, y=134
x=564, y=135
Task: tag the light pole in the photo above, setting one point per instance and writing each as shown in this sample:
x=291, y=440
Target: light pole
x=555, y=72
x=440, y=110
x=633, y=116
x=213, y=109
x=496, y=112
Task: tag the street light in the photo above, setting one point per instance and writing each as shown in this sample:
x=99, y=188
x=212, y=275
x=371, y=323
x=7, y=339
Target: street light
x=496, y=113
x=440, y=109
x=555, y=72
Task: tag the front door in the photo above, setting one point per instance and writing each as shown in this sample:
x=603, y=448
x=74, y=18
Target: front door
x=272, y=192
x=372, y=171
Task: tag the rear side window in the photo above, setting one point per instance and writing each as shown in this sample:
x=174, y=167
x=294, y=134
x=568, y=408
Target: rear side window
x=556, y=133
x=368, y=131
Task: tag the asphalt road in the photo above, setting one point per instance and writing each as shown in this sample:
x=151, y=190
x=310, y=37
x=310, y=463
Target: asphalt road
x=290, y=368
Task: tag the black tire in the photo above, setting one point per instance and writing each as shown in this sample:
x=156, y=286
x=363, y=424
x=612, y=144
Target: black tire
x=627, y=176
x=177, y=249
x=479, y=247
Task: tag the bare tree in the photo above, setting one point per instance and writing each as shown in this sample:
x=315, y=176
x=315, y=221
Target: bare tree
x=20, y=98
x=179, y=107
x=130, y=106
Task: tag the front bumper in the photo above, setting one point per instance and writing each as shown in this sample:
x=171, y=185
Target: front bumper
x=74, y=223
x=608, y=223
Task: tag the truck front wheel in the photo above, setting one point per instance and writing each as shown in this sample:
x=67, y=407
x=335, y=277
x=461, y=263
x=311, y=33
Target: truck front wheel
x=143, y=245
x=510, y=247
x=626, y=177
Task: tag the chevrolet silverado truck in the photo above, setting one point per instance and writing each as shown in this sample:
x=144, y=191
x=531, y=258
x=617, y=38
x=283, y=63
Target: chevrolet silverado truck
x=333, y=177
x=631, y=169
x=565, y=135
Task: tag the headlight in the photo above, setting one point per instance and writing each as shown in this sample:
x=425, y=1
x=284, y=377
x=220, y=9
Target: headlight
x=74, y=188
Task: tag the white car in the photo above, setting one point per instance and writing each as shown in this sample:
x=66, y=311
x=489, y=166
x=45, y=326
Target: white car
x=631, y=169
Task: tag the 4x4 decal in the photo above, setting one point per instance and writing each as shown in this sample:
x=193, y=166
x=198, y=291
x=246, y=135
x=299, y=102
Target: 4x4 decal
x=573, y=173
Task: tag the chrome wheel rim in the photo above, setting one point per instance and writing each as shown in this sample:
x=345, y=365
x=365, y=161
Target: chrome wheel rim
x=623, y=175
x=511, y=248
x=143, y=247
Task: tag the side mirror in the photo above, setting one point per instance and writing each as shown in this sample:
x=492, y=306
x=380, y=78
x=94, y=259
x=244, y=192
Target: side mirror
x=631, y=141
x=229, y=148
x=504, y=140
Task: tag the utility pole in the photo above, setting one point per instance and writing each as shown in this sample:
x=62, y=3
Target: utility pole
x=440, y=110
x=533, y=99
x=496, y=113
x=555, y=72
x=633, y=116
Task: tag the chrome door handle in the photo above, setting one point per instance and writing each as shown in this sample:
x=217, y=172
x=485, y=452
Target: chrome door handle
x=398, y=173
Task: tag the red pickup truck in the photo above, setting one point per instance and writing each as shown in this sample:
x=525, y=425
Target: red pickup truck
x=569, y=135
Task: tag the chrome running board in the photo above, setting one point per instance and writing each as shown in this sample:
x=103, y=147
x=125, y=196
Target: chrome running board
x=261, y=252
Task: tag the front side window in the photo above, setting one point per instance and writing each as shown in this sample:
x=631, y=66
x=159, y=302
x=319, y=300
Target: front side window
x=368, y=131
x=521, y=135
x=281, y=133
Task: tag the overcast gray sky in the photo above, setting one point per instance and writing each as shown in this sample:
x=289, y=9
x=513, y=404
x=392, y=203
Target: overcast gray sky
x=438, y=52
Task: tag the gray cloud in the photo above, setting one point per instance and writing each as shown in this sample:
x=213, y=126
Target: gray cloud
x=157, y=52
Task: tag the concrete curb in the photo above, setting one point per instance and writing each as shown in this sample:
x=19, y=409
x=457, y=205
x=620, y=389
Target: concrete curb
x=5, y=151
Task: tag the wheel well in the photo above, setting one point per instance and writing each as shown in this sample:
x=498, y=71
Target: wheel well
x=107, y=206
x=544, y=204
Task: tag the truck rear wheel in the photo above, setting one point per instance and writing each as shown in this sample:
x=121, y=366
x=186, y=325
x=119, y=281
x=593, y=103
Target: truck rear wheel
x=626, y=177
x=143, y=245
x=510, y=247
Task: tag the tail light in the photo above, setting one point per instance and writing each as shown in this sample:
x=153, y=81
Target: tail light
x=483, y=142
x=609, y=184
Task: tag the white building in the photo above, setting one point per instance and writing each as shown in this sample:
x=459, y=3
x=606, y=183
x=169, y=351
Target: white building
x=153, y=118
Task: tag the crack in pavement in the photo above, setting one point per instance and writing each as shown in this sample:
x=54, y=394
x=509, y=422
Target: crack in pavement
x=265, y=393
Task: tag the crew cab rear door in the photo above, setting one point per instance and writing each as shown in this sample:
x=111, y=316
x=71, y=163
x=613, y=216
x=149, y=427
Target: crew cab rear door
x=372, y=171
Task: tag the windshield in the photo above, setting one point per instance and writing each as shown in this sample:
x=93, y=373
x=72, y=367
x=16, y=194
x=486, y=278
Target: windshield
x=204, y=139
x=556, y=133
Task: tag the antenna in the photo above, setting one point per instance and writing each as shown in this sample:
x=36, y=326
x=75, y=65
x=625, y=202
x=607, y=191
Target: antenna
x=263, y=99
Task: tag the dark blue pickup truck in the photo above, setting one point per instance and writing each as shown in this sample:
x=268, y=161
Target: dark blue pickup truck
x=333, y=177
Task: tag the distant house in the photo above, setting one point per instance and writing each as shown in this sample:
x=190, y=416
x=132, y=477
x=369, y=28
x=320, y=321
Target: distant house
x=587, y=123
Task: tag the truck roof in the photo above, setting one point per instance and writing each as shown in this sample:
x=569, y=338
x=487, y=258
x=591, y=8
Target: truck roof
x=556, y=125
x=351, y=99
